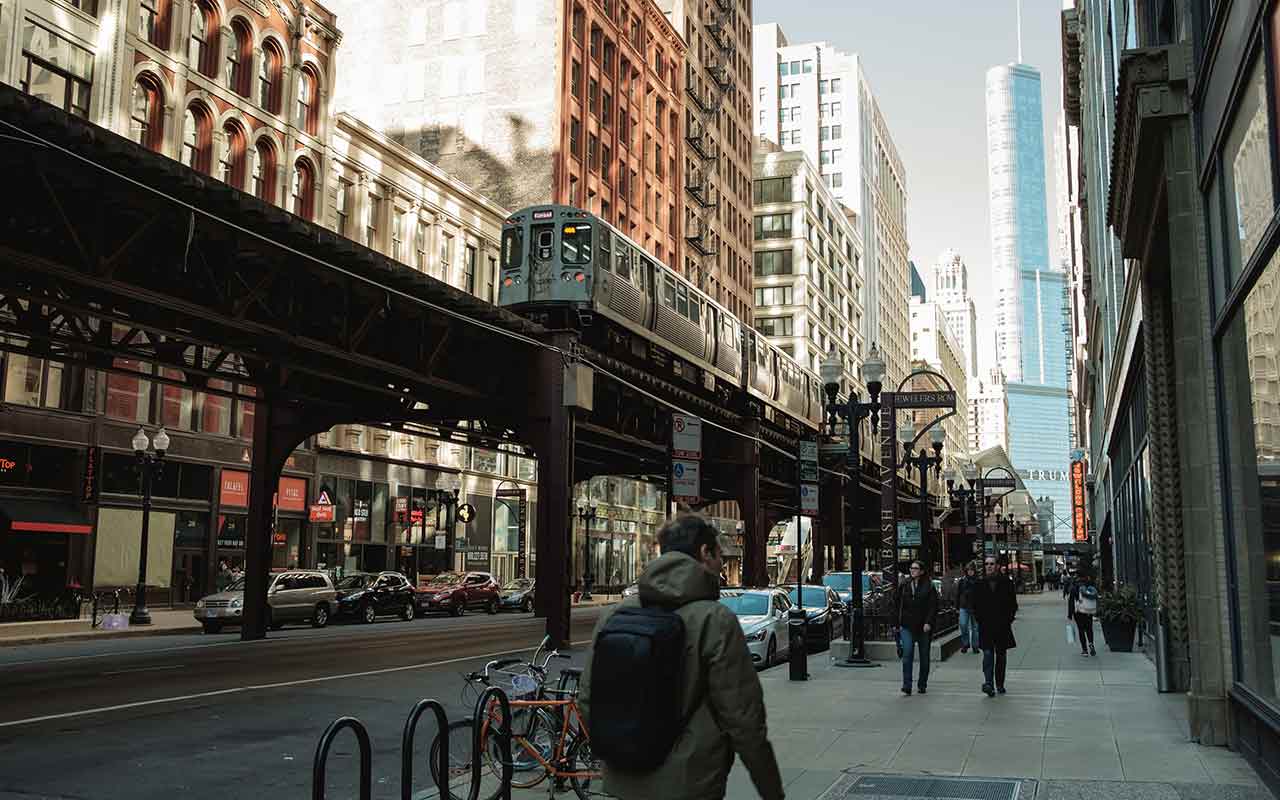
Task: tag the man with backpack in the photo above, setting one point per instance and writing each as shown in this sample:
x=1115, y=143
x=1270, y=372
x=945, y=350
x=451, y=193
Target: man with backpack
x=1082, y=605
x=670, y=693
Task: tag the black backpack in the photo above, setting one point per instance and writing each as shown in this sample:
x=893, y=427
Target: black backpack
x=637, y=667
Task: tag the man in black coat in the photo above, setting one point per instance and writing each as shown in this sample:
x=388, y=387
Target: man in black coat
x=917, y=615
x=995, y=602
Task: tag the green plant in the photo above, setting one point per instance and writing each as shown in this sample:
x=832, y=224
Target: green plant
x=1120, y=606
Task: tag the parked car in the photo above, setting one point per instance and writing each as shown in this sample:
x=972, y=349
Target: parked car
x=455, y=592
x=763, y=616
x=823, y=611
x=517, y=595
x=842, y=583
x=293, y=596
x=365, y=596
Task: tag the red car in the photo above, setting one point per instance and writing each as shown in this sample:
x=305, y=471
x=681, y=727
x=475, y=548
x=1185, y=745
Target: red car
x=455, y=592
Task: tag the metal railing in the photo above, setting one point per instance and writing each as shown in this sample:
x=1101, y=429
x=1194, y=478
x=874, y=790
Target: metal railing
x=489, y=698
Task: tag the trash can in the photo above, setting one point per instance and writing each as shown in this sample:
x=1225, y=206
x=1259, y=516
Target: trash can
x=799, y=657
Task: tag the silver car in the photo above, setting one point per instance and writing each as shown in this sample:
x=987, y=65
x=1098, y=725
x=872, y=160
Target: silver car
x=763, y=616
x=294, y=596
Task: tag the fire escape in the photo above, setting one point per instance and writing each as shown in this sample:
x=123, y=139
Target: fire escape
x=707, y=94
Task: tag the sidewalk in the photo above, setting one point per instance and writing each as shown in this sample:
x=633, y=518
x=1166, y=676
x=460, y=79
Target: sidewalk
x=165, y=622
x=1070, y=728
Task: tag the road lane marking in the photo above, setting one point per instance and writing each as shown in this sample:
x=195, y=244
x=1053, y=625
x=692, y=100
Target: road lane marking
x=143, y=669
x=264, y=686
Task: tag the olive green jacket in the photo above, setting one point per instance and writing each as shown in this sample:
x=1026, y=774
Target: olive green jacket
x=719, y=680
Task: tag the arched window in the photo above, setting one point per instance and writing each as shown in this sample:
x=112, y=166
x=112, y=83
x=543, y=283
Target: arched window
x=308, y=110
x=233, y=157
x=146, y=113
x=239, y=58
x=264, y=171
x=202, y=47
x=269, y=76
x=303, y=188
x=153, y=22
x=197, y=139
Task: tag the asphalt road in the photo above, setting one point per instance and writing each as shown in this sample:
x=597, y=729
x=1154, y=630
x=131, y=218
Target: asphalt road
x=213, y=717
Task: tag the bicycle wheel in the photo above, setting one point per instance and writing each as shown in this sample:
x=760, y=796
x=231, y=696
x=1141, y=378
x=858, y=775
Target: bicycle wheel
x=579, y=759
x=533, y=729
x=459, y=754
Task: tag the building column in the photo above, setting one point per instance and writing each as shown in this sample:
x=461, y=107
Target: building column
x=831, y=530
x=755, y=533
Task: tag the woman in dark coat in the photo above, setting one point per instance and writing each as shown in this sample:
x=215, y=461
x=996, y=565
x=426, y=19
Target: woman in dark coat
x=995, y=602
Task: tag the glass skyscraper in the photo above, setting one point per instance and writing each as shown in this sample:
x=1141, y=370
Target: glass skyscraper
x=1031, y=296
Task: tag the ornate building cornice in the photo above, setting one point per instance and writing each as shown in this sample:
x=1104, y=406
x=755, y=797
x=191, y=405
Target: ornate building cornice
x=1152, y=93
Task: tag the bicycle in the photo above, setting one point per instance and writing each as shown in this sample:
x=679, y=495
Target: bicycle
x=549, y=736
x=101, y=600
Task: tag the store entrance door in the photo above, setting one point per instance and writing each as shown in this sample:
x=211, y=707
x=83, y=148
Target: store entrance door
x=190, y=579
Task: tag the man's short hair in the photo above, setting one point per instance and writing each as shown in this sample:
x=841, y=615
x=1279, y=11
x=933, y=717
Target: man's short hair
x=686, y=534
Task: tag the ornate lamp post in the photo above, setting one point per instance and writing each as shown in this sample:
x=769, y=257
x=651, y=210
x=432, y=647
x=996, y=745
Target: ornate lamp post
x=963, y=496
x=923, y=462
x=587, y=514
x=448, y=489
x=852, y=412
x=150, y=453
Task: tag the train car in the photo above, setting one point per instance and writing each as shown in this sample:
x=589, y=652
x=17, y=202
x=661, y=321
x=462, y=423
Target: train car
x=564, y=266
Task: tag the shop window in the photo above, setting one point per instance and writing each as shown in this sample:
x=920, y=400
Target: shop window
x=231, y=531
x=191, y=529
x=194, y=480
x=1246, y=165
x=1250, y=360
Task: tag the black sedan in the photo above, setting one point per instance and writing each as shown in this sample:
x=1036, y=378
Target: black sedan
x=823, y=611
x=516, y=595
x=365, y=596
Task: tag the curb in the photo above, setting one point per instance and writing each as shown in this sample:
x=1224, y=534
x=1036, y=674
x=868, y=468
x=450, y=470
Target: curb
x=87, y=635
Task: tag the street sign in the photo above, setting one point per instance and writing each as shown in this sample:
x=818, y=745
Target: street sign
x=686, y=436
x=808, y=458
x=466, y=512
x=809, y=499
x=685, y=481
x=925, y=399
x=1079, y=520
x=909, y=533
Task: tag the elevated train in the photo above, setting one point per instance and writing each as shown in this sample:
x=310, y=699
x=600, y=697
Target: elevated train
x=567, y=267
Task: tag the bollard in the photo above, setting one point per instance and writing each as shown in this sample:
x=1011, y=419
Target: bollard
x=322, y=756
x=798, y=656
x=406, y=749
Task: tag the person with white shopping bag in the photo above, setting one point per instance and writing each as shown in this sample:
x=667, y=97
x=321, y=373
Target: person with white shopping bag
x=1082, y=605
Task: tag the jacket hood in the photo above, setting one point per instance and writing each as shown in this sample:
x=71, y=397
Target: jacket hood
x=674, y=579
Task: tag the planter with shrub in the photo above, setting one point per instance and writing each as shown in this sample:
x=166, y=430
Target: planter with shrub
x=1119, y=612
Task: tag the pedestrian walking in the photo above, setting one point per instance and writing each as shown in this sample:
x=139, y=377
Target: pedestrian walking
x=964, y=601
x=996, y=603
x=670, y=693
x=1066, y=584
x=1082, y=605
x=917, y=613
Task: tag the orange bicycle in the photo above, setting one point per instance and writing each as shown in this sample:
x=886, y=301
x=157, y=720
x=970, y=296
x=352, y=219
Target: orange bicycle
x=549, y=738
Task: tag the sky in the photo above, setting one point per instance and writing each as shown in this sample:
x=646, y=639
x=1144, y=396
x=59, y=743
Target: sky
x=926, y=61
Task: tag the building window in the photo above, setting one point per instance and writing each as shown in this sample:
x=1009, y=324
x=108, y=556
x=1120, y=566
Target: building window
x=782, y=69
x=469, y=270
x=308, y=86
x=807, y=66
x=579, y=23
x=593, y=97
x=835, y=86
x=772, y=262
x=609, y=53
x=264, y=170
x=593, y=152
x=343, y=206
x=446, y=254
x=771, y=190
x=835, y=111
x=197, y=139
x=491, y=275
x=304, y=184
x=606, y=110
x=773, y=226
x=239, y=57
x=269, y=76
x=575, y=79
x=397, y=222
x=202, y=48
x=773, y=296
x=597, y=38
x=420, y=244
x=146, y=113
x=56, y=71
x=575, y=138
x=150, y=24
x=233, y=156
x=774, y=326
x=373, y=216
x=835, y=131
x=606, y=160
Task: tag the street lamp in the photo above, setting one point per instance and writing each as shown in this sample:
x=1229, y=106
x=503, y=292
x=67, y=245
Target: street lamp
x=586, y=514
x=150, y=454
x=853, y=412
x=923, y=462
x=445, y=495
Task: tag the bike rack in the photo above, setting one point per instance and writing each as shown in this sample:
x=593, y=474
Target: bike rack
x=420, y=708
x=322, y=757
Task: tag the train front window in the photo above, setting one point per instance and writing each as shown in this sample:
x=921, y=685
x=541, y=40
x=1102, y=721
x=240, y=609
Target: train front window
x=575, y=244
x=512, y=247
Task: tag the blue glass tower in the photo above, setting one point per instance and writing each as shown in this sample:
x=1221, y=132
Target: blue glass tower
x=1032, y=326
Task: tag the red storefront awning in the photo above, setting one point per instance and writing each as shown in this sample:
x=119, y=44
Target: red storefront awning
x=28, y=515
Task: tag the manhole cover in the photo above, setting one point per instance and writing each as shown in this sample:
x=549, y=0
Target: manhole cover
x=937, y=788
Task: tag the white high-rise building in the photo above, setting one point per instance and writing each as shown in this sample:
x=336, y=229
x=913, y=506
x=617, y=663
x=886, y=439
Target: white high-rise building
x=988, y=412
x=933, y=343
x=813, y=98
x=951, y=293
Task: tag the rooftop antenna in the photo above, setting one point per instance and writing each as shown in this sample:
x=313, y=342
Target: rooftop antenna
x=1018, y=3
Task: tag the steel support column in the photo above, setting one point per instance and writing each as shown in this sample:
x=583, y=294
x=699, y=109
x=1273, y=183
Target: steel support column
x=829, y=526
x=755, y=532
x=552, y=431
